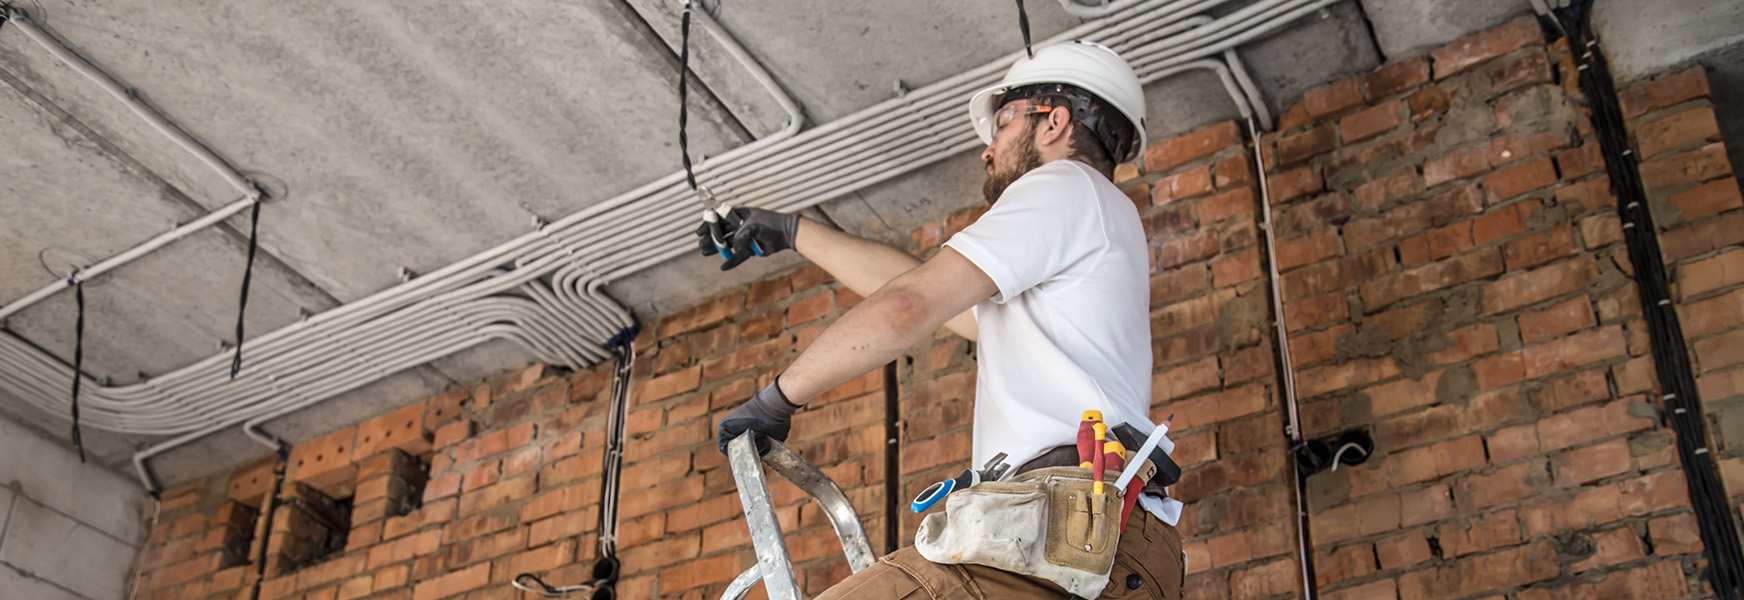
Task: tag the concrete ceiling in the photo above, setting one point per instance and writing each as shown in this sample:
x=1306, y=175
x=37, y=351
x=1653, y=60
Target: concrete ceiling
x=413, y=135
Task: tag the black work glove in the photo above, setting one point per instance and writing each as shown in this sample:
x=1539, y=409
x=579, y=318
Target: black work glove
x=748, y=232
x=768, y=415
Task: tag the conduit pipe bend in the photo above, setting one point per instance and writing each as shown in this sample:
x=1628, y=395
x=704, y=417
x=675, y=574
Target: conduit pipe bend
x=433, y=315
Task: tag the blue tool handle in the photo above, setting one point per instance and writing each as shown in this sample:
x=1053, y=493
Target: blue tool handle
x=930, y=496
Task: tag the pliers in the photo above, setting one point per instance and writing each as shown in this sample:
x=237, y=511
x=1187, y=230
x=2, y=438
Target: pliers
x=992, y=471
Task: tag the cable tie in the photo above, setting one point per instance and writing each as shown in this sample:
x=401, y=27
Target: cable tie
x=1679, y=411
x=1632, y=205
x=1702, y=450
x=1630, y=225
x=1581, y=68
x=1670, y=397
x=1628, y=151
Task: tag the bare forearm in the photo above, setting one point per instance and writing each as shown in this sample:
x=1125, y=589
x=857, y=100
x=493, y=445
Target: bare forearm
x=871, y=334
x=864, y=265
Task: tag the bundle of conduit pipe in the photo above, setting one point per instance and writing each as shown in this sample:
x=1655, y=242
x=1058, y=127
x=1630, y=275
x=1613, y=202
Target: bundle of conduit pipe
x=1681, y=406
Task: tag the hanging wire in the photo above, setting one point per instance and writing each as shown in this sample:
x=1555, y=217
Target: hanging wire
x=247, y=276
x=683, y=92
x=1023, y=26
x=78, y=358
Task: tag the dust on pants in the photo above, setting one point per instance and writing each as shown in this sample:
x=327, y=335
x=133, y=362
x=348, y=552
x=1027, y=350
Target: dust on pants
x=1147, y=565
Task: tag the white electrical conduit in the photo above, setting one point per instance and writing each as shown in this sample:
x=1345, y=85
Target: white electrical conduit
x=407, y=312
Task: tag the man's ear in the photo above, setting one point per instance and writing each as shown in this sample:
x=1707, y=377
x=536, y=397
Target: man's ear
x=1059, y=122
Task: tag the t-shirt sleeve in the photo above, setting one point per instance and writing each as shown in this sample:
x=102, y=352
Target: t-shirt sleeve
x=1047, y=221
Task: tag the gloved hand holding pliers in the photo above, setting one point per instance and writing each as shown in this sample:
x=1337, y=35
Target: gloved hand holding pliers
x=737, y=234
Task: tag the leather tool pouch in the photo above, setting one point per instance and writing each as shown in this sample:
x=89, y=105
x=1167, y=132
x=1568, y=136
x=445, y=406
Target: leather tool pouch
x=1045, y=523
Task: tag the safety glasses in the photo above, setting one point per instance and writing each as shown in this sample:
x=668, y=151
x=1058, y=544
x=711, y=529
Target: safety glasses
x=1011, y=112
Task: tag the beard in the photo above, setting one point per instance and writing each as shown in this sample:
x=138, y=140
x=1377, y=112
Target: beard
x=1024, y=160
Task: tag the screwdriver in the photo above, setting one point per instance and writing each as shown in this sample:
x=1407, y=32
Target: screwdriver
x=1086, y=436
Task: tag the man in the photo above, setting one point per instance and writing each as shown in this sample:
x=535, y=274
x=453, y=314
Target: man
x=1052, y=282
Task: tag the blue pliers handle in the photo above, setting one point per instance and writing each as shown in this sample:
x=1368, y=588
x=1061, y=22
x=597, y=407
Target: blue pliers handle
x=722, y=222
x=936, y=492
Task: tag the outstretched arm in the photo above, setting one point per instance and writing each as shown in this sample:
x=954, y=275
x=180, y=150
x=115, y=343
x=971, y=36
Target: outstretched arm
x=890, y=320
x=865, y=266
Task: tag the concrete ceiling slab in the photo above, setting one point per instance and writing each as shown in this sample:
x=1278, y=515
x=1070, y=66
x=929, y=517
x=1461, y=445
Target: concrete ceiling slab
x=409, y=134
x=838, y=57
x=1643, y=38
x=1403, y=27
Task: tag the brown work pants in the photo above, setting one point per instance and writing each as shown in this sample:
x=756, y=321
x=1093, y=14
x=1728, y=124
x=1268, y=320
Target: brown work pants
x=1148, y=564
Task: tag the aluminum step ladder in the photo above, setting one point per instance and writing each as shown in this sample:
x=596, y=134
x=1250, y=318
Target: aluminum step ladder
x=774, y=566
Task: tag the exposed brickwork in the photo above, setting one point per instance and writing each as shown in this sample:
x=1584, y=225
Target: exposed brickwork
x=1454, y=281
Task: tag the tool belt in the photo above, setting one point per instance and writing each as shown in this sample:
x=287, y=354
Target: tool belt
x=1045, y=523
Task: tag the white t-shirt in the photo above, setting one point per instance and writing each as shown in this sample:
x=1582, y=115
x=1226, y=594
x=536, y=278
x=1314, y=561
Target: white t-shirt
x=1069, y=330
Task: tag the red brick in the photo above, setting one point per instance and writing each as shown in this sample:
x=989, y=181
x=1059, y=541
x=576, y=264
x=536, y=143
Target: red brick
x=325, y=462
x=1601, y=230
x=1459, y=164
x=1428, y=103
x=1515, y=181
x=1676, y=534
x=1333, y=98
x=1467, y=342
x=1196, y=247
x=1291, y=185
x=1511, y=443
x=1585, y=465
x=1225, y=205
x=403, y=429
x=1378, y=192
x=1706, y=235
x=1570, y=315
x=1318, y=245
x=1581, y=161
x=810, y=308
x=1723, y=270
x=1498, y=370
x=1514, y=567
x=1298, y=147
x=1524, y=289
x=1522, y=71
x=1612, y=546
x=503, y=492
x=700, y=316
x=1413, y=218
x=1186, y=184
x=1264, y=581
x=1320, y=380
x=1369, y=123
x=1682, y=129
x=1301, y=313
x=1691, y=167
x=1381, y=292
x=1396, y=77
x=1195, y=145
x=1403, y=394
x=453, y=583
x=494, y=443
x=1402, y=550
x=1507, y=484
x=1574, y=351
x=1471, y=535
x=666, y=386
x=1234, y=170
x=1234, y=269
x=1711, y=198
x=768, y=290
x=1479, y=48
x=1665, y=91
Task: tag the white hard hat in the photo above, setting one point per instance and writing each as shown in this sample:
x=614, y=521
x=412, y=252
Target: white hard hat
x=1089, y=66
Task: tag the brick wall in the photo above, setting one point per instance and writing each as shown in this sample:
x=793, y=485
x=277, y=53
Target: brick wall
x=1454, y=282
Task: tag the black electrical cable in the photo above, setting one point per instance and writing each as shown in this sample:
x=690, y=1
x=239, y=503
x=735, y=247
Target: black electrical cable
x=892, y=458
x=78, y=359
x=1671, y=360
x=247, y=276
x=683, y=89
x=1023, y=26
